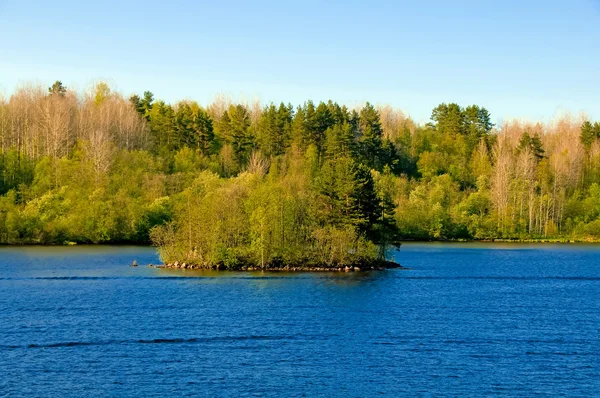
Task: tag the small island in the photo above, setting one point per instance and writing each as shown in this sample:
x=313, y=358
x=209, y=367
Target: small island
x=367, y=265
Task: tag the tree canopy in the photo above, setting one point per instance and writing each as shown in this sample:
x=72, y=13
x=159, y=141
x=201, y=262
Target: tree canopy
x=232, y=182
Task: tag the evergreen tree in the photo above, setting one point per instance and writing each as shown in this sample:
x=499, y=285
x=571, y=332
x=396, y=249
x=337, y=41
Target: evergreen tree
x=370, y=133
x=449, y=119
x=163, y=127
x=269, y=136
x=143, y=105
x=58, y=89
x=320, y=121
x=477, y=125
x=588, y=135
x=367, y=203
x=202, y=127
x=534, y=144
x=339, y=141
x=235, y=125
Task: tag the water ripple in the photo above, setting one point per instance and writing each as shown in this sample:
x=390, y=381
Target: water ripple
x=216, y=339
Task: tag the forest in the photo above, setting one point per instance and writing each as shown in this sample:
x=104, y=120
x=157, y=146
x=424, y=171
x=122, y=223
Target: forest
x=243, y=183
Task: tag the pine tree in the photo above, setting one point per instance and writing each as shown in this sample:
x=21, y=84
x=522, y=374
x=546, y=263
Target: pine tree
x=588, y=135
x=58, y=89
x=202, y=127
x=533, y=144
x=162, y=127
x=477, y=125
x=268, y=134
x=236, y=131
x=449, y=119
x=298, y=128
x=370, y=132
x=321, y=121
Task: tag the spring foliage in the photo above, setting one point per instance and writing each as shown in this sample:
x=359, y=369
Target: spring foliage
x=234, y=183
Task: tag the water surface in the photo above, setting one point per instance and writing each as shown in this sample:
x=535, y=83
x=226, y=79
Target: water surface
x=466, y=319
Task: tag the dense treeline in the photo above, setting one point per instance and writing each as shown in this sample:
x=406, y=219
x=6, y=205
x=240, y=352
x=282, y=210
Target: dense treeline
x=231, y=183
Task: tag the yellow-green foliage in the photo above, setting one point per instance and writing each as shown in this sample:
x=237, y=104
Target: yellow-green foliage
x=233, y=184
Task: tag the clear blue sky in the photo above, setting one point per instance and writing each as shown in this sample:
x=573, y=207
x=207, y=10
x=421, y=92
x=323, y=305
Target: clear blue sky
x=527, y=59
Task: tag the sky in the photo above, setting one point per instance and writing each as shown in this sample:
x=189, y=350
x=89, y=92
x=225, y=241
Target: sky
x=525, y=59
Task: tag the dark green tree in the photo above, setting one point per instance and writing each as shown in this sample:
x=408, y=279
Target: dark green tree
x=163, y=127
x=143, y=105
x=235, y=130
x=58, y=89
x=534, y=144
x=369, y=133
x=448, y=119
x=477, y=125
x=589, y=133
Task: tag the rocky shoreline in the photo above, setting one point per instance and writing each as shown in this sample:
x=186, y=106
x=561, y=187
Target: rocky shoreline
x=379, y=265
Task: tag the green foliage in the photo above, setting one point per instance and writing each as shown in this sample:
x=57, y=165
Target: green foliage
x=229, y=186
x=589, y=133
x=532, y=144
x=194, y=128
x=370, y=132
x=57, y=89
x=101, y=93
x=274, y=129
x=234, y=130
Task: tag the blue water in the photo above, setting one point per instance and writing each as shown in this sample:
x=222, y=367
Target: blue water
x=466, y=319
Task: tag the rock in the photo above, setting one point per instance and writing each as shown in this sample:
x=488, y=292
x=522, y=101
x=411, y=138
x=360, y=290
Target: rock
x=356, y=269
x=347, y=269
x=176, y=264
x=150, y=265
x=134, y=263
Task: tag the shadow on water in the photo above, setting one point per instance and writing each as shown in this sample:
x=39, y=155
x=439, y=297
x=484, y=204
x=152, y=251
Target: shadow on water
x=337, y=278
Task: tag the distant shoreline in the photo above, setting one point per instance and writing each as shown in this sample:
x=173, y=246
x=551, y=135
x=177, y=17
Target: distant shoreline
x=504, y=240
x=494, y=240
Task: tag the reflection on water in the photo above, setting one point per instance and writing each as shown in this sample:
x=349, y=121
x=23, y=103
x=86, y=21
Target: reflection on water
x=339, y=278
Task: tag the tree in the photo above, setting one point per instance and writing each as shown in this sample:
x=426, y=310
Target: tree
x=57, y=89
x=588, y=135
x=193, y=127
x=317, y=121
x=143, y=105
x=273, y=130
x=235, y=130
x=477, y=125
x=448, y=119
x=533, y=144
x=339, y=141
x=162, y=127
x=370, y=132
x=101, y=93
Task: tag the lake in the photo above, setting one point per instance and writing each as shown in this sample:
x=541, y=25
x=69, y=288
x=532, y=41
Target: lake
x=466, y=319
